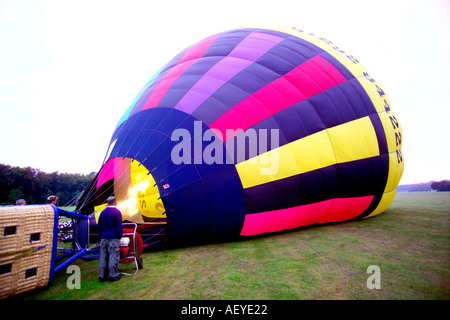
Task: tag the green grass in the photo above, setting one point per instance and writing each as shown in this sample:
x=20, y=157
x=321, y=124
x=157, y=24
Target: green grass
x=68, y=208
x=410, y=243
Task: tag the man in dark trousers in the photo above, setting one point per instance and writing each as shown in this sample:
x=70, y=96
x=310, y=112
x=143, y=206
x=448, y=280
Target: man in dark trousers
x=110, y=231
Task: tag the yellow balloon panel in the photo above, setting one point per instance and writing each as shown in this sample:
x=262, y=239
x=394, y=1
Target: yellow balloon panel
x=351, y=141
x=385, y=202
x=151, y=206
x=145, y=192
x=98, y=210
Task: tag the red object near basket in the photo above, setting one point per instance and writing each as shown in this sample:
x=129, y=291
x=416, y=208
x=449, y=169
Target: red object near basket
x=125, y=250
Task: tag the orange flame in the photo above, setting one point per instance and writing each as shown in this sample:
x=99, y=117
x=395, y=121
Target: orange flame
x=130, y=206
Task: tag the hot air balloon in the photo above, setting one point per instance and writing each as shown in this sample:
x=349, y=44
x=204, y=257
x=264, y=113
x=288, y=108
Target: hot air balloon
x=252, y=131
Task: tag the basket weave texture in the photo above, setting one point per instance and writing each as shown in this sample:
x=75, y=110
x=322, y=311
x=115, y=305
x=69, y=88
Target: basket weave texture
x=26, y=238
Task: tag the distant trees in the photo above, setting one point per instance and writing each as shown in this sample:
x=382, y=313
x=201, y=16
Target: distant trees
x=35, y=186
x=443, y=185
x=415, y=187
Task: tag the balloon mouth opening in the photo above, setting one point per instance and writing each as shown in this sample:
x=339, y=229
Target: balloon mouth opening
x=136, y=191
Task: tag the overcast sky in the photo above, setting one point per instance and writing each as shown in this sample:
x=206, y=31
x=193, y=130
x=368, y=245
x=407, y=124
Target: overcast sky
x=69, y=69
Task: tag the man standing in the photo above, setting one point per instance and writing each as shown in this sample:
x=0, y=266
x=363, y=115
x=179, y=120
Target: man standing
x=110, y=230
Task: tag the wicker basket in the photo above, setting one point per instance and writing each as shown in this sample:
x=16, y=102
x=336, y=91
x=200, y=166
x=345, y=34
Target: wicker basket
x=26, y=241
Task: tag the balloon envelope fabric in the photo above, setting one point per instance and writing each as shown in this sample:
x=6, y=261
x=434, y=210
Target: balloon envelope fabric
x=251, y=131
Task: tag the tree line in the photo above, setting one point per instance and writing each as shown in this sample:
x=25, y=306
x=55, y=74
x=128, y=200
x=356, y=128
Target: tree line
x=443, y=185
x=34, y=186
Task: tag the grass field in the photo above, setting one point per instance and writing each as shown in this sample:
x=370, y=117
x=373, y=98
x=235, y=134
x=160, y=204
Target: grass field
x=410, y=243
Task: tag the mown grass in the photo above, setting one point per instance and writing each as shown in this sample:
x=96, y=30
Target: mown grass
x=410, y=243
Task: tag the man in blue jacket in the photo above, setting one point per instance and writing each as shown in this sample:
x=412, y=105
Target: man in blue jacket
x=110, y=230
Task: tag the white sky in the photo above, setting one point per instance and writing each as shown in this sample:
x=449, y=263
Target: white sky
x=69, y=69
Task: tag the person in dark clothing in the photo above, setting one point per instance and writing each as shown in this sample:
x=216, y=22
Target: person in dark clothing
x=52, y=200
x=110, y=230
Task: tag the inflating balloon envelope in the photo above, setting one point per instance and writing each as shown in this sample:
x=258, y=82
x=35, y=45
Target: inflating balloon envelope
x=252, y=131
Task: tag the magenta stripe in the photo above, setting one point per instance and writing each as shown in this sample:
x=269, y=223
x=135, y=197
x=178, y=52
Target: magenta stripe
x=244, y=54
x=192, y=55
x=106, y=173
x=332, y=210
x=306, y=80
